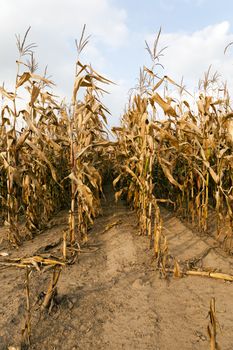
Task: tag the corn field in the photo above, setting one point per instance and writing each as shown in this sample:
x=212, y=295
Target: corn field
x=53, y=161
x=173, y=152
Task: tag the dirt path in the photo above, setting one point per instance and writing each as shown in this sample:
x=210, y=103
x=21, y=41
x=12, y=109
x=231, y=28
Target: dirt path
x=113, y=299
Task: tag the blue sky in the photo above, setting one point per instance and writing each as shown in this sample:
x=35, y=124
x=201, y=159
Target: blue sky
x=173, y=15
x=196, y=32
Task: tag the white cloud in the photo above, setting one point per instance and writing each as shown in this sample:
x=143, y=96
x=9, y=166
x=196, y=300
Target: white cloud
x=55, y=24
x=63, y=19
x=170, y=5
x=190, y=54
x=117, y=99
x=194, y=2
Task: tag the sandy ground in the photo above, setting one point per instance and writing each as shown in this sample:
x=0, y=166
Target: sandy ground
x=112, y=297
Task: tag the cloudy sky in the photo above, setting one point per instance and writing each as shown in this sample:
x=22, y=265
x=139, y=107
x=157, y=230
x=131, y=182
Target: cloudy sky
x=195, y=31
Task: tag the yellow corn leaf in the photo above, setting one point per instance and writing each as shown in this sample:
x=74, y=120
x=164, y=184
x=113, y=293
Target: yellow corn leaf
x=22, y=139
x=133, y=175
x=116, y=180
x=9, y=95
x=177, y=272
x=34, y=94
x=42, y=157
x=118, y=194
x=40, y=78
x=214, y=175
x=169, y=175
x=25, y=77
x=167, y=108
x=80, y=82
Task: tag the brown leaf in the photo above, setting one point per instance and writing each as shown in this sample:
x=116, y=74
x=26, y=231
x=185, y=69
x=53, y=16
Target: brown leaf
x=24, y=77
x=167, y=108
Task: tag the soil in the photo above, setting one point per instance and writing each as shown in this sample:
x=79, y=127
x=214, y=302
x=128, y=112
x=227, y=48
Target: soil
x=112, y=297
